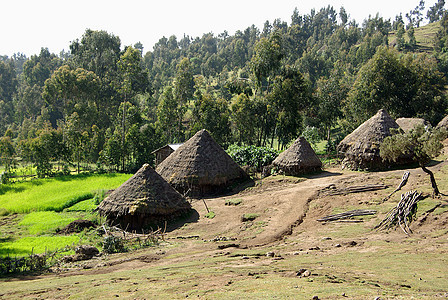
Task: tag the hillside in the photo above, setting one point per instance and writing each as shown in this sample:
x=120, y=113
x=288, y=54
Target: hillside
x=424, y=35
x=283, y=252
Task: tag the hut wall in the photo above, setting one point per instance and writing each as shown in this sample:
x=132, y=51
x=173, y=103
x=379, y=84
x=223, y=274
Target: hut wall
x=162, y=154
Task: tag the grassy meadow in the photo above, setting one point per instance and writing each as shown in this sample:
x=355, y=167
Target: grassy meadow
x=55, y=194
x=34, y=211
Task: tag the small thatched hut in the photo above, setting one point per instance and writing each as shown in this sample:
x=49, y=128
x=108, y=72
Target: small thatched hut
x=144, y=199
x=200, y=166
x=361, y=148
x=298, y=159
x=407, y=124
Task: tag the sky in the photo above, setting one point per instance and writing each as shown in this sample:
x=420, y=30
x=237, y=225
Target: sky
x=28, y=25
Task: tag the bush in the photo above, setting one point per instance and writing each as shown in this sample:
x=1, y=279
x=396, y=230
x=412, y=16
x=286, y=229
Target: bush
x=113, y=244
x=210, y=215
x=233, y=201
x=252, y=156
x=249, y=217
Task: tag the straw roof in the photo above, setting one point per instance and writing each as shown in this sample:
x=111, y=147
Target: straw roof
x=145, y=198
x=361, y=148
x=298, y=159
x=407, y=124
x=443, y=123
x=200, y=166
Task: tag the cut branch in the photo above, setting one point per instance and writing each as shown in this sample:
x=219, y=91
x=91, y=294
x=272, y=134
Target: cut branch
x=404, y=180
x=347, y=215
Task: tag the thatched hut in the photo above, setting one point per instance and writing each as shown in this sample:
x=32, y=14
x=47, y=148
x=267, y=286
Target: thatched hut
x=144, y=199
x=407, y=124
x=443, y=123
x=200, y=166
x=361, y=148
x=298, y=159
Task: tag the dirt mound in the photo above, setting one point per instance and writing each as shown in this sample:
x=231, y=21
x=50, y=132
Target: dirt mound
x=77, y=226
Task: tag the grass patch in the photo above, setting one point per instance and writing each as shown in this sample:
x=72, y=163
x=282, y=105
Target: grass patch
x=86, y=205
x=41, y=244
x=46, y=221
x=56, y=193
x=249, y=217
x=210, y=215
x=233, y=202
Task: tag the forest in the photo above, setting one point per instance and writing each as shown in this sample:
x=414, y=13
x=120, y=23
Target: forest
x=104, y=106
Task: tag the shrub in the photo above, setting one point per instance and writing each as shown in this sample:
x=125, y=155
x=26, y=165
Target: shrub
x=210, y=215
x=233, y=202
x=252, y=156
x=113, y=244
x=249, y=217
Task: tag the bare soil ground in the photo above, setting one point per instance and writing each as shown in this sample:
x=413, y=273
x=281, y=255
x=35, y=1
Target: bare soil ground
x=283, y=253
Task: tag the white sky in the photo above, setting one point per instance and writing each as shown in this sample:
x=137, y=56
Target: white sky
x=28, y=25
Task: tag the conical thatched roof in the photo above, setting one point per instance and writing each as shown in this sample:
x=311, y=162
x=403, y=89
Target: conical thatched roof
x=443, y=123
x=145, y=198
x=200, y=166
x=298, y=159
x=361, y=148
x=407, y=124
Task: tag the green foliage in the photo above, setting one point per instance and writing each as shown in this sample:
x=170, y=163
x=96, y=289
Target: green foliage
x=404, y=85
x=114, y=244
x=255, y=157
x=210, y=215
x=249, y=217
x=31, y=263
x=422, y=143
x=311, y=134
x=55, y=193
x=233, y=202
x=213, y=115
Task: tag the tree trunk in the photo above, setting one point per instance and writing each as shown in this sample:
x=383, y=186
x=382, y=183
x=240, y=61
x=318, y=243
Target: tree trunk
x=433, y=180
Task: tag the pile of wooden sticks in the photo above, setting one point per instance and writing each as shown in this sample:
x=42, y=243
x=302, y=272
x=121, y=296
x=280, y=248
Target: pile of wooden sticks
x=403, y=214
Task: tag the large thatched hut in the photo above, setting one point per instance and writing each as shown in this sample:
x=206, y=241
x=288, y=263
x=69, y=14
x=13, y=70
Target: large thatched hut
x=200, y=166
x=144, y=199
x=298, y=159
x=407, y=124
x=361, y=148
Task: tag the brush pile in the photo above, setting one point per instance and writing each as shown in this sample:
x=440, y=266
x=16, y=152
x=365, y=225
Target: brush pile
x=403, y=214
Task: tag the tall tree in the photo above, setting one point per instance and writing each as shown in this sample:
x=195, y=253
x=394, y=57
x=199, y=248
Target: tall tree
x=436, y=12
x=133, y=78
x=183, y=92
x=213, y=115
x=8, y=87
x=415, y=16
x=406, y=86
x=72, y=89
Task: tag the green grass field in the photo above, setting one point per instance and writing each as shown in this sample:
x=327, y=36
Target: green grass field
x=33, y=211
x=55, y=194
